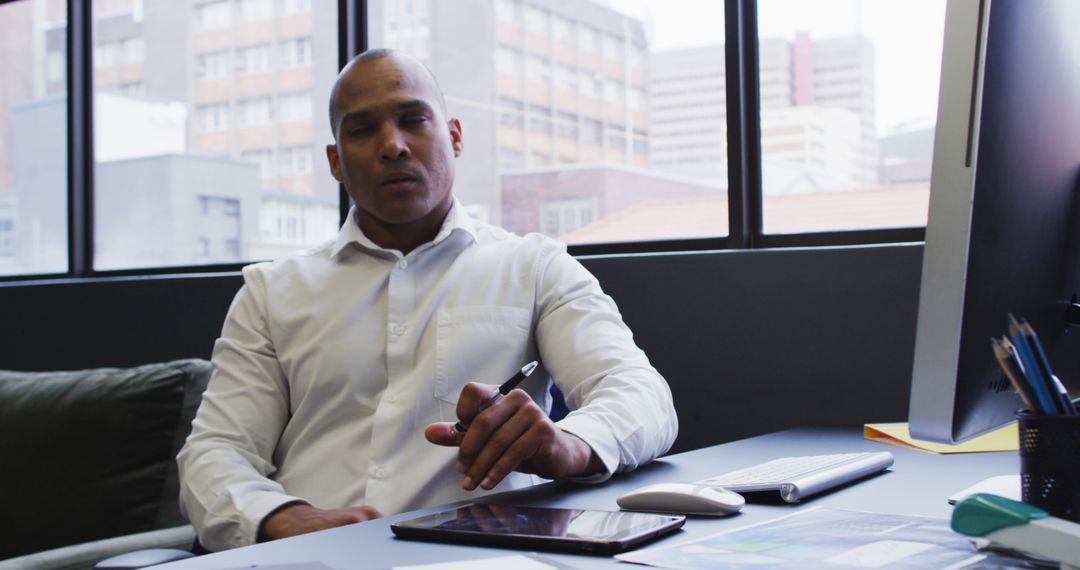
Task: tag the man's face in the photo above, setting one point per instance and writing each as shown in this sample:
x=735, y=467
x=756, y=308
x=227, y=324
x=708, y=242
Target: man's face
x=395, y=149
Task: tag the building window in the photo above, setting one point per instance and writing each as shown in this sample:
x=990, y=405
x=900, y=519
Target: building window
x=133, y=50
x=7, y=238
x=564, y=216
x=213, y=117
x=54, y=66
x=256, y=10
x=254, y=59
x=295, y=53
x=295, y=6
x=215, y=15
x=507, y=60
x=213, y=65
x=295, y=160
x=508, y=11
x=105, y=54
x=254, y=112
x=296, y=106
x=537, y=20
x=263, y=157
x=511, y=112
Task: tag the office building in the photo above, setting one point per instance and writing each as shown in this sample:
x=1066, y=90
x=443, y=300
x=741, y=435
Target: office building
x=818, y=112
x=250, y=76
x=538, y=85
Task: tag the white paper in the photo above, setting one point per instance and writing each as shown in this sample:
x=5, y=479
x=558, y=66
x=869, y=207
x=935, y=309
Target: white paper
x=820, y=537
x=517, y=562
x=880, y=553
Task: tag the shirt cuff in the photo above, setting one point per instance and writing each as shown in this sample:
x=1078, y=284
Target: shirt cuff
x=260, y=508
x=594, y=433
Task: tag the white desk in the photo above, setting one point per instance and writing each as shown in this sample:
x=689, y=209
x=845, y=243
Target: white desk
x=918, y=483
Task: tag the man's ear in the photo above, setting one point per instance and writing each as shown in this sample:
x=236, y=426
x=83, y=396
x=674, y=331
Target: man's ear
x=455, y=136
x=335, y=161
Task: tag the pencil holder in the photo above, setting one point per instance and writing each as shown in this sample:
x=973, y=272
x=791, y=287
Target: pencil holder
x=1050, y=463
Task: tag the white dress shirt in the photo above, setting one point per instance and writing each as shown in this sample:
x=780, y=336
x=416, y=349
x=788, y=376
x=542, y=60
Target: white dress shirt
x=331, y=364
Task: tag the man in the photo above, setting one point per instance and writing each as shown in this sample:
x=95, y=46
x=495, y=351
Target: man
x=340, y=373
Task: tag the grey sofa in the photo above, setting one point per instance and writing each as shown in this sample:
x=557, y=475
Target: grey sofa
x=89, y=462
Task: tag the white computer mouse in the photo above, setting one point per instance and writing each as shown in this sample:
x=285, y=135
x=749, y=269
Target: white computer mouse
x=682, y=498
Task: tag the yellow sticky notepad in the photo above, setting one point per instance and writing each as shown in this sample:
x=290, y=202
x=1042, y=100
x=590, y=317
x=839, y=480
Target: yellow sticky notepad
x=1006, y=438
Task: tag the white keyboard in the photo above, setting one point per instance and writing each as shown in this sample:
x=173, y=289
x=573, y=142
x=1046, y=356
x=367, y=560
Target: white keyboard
x=799, y=477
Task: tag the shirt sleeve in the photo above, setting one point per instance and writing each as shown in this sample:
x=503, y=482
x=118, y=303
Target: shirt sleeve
x=621, y=405
x=225, y=464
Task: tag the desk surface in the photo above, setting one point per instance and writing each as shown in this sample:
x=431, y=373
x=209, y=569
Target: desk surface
x=918, y=484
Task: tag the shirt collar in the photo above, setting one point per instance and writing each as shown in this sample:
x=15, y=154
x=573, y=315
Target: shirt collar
x=457, y=220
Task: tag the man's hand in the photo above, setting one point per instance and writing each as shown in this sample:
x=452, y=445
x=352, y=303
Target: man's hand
x=301, y=518
x=514, y=434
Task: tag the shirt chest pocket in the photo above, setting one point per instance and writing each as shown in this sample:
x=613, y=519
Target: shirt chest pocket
x=479, y=344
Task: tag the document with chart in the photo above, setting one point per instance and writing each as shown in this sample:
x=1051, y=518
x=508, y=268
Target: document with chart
x=822, y=537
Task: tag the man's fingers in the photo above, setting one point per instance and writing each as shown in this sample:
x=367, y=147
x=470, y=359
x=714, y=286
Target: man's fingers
x=522, y=449
x=472, y=397
x=363, y=513
x=496, y=449
x=443, y=433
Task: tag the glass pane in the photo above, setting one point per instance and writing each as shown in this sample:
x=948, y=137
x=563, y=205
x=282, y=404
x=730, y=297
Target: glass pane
x=209, y=121
x=33, y=137
x=848, y=105
x=589, y=121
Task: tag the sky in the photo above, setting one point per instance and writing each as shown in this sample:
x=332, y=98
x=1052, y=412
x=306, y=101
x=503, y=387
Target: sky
x=907, y=35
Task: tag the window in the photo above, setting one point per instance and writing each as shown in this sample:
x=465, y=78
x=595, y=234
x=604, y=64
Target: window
x=256, y=10
x=214, y=117
x=55, y=66
x=289, y=7
x=536, y=20
x=845, y=146
x=511, y=112
x=508, y=10
x=263, y=157
x=507, y=60
x=254, y=112
x=629, y=93
x=214, y=15
x=296, y=107
x=253, y=59
x=7, y=239
x=105, y=54
x=296, y=52
x=183, y=158
x=295, y=160
x=588, y=38
x=133, y=50
x=33, y=139
x=566, y=215
x=213, y=65
x=218, y=229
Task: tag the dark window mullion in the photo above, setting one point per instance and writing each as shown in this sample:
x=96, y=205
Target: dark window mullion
x=352, y=39
x=744, y=126
x=80, y=140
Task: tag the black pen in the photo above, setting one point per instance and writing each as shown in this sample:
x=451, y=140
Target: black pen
x=503, y=390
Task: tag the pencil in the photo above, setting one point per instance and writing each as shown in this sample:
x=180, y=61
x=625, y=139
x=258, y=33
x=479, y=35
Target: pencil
x=1014, y=374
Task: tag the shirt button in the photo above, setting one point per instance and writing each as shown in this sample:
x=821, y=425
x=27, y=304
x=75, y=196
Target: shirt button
x=391, y=398
x=380, y=473
x=398, y=330
x=402, y=264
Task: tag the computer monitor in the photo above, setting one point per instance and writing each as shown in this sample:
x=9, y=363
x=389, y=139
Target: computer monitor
x=1003, y=234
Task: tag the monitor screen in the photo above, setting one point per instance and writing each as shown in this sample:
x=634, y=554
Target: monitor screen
x=1003, y=234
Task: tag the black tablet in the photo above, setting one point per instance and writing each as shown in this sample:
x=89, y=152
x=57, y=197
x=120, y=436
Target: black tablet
x=540, y=528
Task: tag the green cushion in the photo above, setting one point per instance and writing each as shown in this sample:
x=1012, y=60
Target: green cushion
x=90, y=454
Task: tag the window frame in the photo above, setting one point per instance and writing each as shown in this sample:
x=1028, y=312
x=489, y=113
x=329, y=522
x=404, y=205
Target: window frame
x=745, y=215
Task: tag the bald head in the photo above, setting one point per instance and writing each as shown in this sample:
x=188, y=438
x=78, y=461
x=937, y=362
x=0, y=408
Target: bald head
x=370, y=55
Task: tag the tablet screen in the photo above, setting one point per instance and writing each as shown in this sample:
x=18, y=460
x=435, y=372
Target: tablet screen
x=540, y=527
